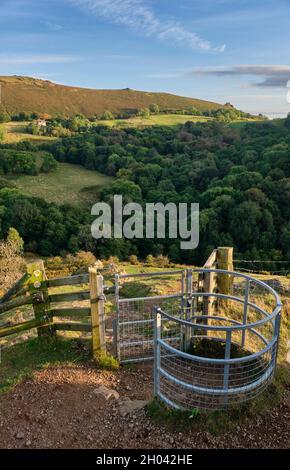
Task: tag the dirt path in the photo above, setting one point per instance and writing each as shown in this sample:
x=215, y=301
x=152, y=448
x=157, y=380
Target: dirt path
x=61, y=407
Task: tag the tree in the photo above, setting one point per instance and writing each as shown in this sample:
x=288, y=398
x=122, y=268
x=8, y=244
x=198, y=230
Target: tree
x=2, y=134
x=145, y=113
x=15, y=241
x=34, y=129
x=11, y=261
x=23, y=117
x=107, y=116
x=48, y=164
x=154, y=108
x=130, y=191
x=287, y=122
x=133, y=260
x=4, y=116
x=194, y=111
x=150, y=260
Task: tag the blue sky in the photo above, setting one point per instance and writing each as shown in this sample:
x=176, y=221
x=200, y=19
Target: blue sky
x=221, y=50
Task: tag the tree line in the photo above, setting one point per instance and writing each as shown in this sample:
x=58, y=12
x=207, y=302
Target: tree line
x=239, y=176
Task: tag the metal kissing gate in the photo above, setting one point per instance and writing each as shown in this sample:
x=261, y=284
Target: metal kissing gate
x=214, y=344
x=134, y=325
x=229, y=356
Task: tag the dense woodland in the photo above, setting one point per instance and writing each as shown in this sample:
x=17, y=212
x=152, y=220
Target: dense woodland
x=240, y=175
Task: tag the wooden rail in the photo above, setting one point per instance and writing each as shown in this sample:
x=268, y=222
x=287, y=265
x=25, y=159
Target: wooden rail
x=15, y=289
x=73, y=326
x=68, y=281
x=50, y=312
x=49, y=308
x=15, y=303
x=70, y=312
x=70, y=297
x=24, y=326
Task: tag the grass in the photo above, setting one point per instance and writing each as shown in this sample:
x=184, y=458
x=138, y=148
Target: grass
x=16, y=132
x=135, y=289
x=21, y=360
x=41, y=96
x=67, y=184
x=239, y=124
x=158, y=120
x=214, y=349
x=107, y=362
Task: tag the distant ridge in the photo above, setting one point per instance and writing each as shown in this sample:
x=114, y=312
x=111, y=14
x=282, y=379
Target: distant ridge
x=26, y=94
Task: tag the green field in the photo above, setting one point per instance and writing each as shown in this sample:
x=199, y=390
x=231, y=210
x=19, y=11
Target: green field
x=158, y=120
x=165, y=120
x=68, y=184
x=16, y=132
x=239, y=124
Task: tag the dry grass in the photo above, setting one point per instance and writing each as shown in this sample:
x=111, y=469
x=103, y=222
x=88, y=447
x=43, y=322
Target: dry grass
x=33, y=95
x=158, y=120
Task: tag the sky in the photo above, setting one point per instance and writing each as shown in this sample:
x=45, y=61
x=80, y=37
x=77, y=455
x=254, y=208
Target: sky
x=234, y=51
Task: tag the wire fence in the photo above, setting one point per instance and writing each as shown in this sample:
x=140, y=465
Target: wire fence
x=273, y=267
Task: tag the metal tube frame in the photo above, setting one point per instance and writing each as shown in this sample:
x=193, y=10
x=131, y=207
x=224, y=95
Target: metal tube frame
x=259, y=380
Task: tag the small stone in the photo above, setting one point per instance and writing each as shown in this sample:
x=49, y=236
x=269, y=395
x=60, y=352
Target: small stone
x=107, y=393
x=20, y=435
x=128, y=407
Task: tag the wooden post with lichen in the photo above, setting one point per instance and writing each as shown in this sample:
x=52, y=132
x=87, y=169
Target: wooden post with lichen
x=97, y=313
x=225, y=261
x=40, y=298
x=208, y=286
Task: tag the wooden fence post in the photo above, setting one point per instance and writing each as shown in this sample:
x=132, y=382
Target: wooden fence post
x=39, y=292
x=225, y=261
x=97, y=312
x=209, y=284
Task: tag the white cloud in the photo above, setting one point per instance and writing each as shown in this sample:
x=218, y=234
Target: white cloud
x=138, y=16
x=52, y=26
x=165, y=75
x=272, y=75
x=35, y=59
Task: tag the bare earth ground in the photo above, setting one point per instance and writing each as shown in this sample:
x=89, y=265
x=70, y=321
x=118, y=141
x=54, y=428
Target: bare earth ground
x=60, y=407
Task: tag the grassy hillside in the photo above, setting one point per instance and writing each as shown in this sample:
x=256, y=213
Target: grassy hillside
x=68, y=184
x=155, y=120
x=17, y=132
x=33, y=95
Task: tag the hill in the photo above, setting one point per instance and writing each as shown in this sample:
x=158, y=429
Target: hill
x=25, y=94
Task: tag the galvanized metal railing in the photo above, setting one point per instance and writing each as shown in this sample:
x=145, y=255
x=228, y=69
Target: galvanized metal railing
x=134, y=324
x=224, y=358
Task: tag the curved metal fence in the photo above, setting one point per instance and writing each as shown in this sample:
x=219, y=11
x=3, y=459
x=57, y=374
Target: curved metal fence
x=222, y=358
